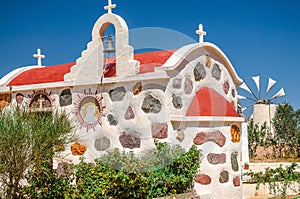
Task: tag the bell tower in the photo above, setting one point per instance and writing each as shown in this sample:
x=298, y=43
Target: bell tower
x=90, y=66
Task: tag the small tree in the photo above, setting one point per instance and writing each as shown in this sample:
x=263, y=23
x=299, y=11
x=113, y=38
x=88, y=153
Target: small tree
x=286, y=129
x=28, y=141
x=257, y=136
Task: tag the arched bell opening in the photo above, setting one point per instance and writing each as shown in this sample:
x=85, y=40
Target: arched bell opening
x=108, y=37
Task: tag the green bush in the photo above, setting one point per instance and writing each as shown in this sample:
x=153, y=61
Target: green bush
x=28, y=142
x=169, y=170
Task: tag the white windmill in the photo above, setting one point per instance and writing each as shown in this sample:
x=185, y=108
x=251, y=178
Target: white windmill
x=264, y=107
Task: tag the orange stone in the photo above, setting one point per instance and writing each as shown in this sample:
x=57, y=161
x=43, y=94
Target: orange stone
x=235, y=133
x=78, y=148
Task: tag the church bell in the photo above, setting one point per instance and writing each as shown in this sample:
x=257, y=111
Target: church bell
x=109, y=45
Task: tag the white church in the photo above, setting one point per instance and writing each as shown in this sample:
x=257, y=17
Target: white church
x=186, y=96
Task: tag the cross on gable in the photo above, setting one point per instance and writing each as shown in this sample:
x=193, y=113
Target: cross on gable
x=201, y=33
x=39, y=57
x=109, y=7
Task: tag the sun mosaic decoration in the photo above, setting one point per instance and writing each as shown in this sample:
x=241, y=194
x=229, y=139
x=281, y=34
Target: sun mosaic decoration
x=89, y=110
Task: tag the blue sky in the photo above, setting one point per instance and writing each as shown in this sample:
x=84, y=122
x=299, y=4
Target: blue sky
x=258, y=36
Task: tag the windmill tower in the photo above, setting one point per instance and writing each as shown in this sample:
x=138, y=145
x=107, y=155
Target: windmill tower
x=264, y=108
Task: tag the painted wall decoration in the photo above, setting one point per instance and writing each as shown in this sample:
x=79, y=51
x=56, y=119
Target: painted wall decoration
x=89, y=110
x=40, y=99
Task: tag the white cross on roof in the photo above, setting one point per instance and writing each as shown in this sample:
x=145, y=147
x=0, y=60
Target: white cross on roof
x=39, y=57
x=109, y=7
x=201, y=33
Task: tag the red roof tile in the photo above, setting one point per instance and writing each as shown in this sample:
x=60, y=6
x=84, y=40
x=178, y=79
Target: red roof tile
x=148, y=61
x=42, y=75
x=208, y=102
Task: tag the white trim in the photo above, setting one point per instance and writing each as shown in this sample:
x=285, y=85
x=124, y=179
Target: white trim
x=179, y=55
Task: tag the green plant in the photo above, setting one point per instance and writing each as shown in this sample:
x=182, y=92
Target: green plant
x=169, y=170
x=257, y=136
x=279, y=179
x=286, y=130
x=27, y=145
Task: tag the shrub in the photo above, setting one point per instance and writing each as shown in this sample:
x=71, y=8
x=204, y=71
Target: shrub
x=169, y=170
x=27, y=143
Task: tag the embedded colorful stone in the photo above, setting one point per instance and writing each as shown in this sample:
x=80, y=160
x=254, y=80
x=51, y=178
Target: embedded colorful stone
x=188, y=86
x=65, y=98
x=199, y=72
x=130, y=140
x=151, y=104
x=235, y=133
x=215, y=136
x=203, y=179
x=112, y=120
x=216, y=72
x=159, y=131
x=137, y=88
x=214, y=158
x=177, y=102
x=234, y=161
x=117, y=94
x=176, y=83
x=226, y=87
x=78, y=148
x=233, y=93
x=224, y=176
x=101, y=144
x=237, y=181
x=129, y=114
x=180, y=135
x=207, y=61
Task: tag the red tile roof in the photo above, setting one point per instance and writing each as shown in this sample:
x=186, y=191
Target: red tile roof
x=207, y=102
x=42, y=75
x=148, y=61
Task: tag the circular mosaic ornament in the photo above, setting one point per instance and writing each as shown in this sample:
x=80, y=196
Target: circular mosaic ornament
x=89, y=111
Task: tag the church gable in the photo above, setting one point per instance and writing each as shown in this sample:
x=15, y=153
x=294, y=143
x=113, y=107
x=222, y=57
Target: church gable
x=201, y=84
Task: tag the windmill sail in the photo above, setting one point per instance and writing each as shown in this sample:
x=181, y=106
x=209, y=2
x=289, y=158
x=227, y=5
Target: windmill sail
x=280, y=93
x=241, y=97
x=245, y=87
x=271, y=83
x=245, y=97
x=257, y=82
x=243, y=109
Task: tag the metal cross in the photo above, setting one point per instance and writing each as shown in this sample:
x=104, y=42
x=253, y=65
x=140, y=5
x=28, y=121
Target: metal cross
x=39, y=57
x=109, y=7
x=201, y=33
